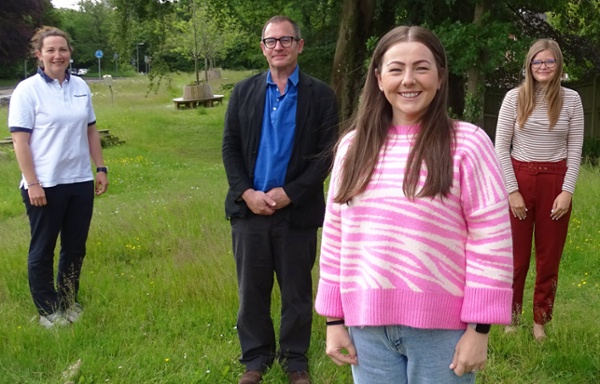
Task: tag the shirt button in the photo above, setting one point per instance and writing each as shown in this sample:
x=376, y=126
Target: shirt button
x=274, y=108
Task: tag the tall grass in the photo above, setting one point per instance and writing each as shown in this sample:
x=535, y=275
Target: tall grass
x=159, y=285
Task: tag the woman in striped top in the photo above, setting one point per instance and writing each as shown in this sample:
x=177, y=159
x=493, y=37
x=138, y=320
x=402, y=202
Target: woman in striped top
x=416, y=240
x=538, y=142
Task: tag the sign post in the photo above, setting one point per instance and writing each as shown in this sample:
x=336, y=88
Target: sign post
x=116, y=59
x=99, y=55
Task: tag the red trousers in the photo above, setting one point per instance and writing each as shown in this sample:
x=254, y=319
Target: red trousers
x=539, y=184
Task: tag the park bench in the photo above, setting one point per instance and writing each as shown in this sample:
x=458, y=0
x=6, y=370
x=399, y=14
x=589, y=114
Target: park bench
x=180, y=102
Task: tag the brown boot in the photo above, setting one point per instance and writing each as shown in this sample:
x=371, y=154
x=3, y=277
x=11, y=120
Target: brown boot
x=251, y=377
x=299, y=377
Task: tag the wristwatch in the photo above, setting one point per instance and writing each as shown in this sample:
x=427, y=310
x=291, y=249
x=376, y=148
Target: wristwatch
x=481, y=328
x=102, y=169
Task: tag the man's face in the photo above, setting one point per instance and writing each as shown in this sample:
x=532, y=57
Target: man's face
x=280, y=58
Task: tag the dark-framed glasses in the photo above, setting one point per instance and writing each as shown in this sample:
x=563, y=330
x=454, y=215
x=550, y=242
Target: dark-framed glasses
x=537, y=64
x=285, y=41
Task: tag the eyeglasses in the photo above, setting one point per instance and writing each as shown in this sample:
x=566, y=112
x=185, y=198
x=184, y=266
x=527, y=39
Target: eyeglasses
x=285, y=41
x=537, y=64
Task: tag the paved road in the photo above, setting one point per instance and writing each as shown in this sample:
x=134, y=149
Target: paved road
x=6, y=91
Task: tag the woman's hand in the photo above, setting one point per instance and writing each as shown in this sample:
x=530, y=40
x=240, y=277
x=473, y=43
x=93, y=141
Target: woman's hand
x=517, y=205
x=338, y=340
x=561, y=205
x=470, y=354
x=101, y=183
x=37, y=195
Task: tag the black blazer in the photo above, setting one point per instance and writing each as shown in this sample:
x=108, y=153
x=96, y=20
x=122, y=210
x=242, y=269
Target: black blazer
x=312, y=153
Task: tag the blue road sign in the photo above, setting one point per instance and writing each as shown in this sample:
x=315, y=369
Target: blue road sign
x=99, y=54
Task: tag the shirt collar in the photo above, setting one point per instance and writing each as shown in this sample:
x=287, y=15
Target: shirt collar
x=48, y=79
x=294, y=77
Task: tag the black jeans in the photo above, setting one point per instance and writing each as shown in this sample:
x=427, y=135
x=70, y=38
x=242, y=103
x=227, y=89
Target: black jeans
x=68, y=213
x=265, y=246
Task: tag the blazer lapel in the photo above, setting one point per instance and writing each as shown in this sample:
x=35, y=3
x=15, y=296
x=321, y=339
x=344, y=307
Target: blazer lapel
x=303, y=107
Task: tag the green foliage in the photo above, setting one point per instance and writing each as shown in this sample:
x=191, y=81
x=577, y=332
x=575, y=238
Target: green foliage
x=200, y=32
x=159, y=284
x=89, y=29
x=473, y=106
x=591, y=150
x=577, y=21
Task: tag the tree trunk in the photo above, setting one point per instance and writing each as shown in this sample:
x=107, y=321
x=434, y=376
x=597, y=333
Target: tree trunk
x=475, y=97
x=350, y=53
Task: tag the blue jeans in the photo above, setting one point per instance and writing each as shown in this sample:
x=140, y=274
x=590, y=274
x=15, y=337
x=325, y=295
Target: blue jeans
x=405, y=355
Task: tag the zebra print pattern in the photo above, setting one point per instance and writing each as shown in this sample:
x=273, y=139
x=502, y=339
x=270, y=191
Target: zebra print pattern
x=427, y=263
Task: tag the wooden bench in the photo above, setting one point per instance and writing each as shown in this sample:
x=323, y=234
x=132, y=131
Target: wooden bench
x=180, y=102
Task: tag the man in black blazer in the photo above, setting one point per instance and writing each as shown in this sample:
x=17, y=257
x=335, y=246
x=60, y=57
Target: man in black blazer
x=280, y=130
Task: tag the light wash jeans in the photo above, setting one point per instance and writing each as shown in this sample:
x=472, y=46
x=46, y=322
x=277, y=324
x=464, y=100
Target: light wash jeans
x=405, y=355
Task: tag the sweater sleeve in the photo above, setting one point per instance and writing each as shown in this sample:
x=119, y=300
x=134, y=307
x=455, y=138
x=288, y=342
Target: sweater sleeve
x=507, y=118
x=574, y=141
x=488, y=248
x=328, y=301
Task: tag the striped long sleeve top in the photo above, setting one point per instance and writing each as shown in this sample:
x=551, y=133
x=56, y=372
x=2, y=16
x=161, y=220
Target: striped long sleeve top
x=535, y=141
x=424, y=263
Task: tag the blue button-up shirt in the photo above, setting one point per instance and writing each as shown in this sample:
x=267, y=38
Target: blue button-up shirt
x=277, y=138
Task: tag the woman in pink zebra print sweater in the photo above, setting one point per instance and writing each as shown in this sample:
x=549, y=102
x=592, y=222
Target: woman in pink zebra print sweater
x=416, y=255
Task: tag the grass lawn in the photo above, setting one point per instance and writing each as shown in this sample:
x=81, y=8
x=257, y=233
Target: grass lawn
x=159, y=283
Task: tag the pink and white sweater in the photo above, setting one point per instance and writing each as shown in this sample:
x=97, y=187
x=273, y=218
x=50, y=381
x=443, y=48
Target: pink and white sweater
x=427, y=263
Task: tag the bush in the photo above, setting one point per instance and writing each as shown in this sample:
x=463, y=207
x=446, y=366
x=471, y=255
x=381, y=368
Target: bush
x=591, y=150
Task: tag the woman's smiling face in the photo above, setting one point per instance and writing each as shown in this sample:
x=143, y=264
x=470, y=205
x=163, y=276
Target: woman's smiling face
x=409, y=78
x=55, y=56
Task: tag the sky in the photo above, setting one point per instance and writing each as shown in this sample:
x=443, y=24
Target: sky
x=65, y=3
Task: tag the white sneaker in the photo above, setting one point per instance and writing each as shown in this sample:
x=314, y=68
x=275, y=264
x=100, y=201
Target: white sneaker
x=54, y=319
x=74, y=312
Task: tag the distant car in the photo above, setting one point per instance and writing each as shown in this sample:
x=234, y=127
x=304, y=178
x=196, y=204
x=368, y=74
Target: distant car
x=82, y=71
x=73, y=71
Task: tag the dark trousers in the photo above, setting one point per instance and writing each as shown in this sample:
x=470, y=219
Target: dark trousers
x=68, y=213
x=539, y=184
x=264, y=247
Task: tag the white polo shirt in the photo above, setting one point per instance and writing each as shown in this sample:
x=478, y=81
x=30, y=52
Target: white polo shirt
x=57, y=117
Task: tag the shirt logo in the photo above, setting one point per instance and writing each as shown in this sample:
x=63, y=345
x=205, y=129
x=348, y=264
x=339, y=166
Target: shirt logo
x=80, y=95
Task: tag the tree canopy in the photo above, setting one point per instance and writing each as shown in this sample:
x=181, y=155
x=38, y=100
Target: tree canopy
x=485, y=40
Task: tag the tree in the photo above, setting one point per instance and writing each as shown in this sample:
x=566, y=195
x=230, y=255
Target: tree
x=88, y=28
x=18, y=21
x=350, y=52
x=200, y=34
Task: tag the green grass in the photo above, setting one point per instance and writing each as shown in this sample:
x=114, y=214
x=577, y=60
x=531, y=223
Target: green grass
x=159, y=283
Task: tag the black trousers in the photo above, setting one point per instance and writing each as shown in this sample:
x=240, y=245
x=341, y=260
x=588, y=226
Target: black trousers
x=68, y=213
x=264, y=247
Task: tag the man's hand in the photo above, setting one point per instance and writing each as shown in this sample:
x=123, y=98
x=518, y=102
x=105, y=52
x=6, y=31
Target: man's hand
x=280, y=197
x=259, y=202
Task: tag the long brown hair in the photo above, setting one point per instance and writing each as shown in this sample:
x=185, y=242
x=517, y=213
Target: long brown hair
x=373, y=120
x=552, y=90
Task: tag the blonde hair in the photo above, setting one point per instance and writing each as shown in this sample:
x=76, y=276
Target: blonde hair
x=552, y=90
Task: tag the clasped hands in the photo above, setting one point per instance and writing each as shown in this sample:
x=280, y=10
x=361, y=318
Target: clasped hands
x=266, y=203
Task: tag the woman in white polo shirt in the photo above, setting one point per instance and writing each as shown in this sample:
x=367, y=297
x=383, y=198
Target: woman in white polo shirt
x=53, y=127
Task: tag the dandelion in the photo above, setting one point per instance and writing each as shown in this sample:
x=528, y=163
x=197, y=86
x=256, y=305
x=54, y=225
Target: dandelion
x=167, y=360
